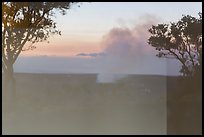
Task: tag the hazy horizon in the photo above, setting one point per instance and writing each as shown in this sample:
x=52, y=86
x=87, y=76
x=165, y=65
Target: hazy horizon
x=68, y=65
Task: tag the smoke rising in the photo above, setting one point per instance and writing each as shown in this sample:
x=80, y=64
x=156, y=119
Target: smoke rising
x=127, y=49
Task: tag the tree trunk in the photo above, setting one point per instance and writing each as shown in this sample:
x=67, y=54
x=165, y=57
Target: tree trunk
x=9, y=88
x=9, y=80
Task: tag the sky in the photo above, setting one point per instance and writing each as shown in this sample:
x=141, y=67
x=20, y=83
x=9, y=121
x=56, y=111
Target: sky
x=98, y=31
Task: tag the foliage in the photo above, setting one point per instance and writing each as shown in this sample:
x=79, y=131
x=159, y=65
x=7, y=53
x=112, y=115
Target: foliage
x=26, y=22
x=181, y=40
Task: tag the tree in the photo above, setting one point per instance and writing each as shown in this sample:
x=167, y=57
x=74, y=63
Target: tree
x=181, y=40
x=24, y=22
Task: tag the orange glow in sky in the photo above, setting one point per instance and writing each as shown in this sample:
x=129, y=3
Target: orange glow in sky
x=59, y=46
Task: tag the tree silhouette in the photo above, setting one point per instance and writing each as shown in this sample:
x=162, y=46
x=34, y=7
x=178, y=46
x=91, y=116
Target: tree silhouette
x=181, y=40
x=24, y=22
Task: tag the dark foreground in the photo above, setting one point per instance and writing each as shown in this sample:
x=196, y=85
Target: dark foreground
x=76, y=104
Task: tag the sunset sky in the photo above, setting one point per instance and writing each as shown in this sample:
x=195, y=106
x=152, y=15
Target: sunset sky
x=105, y=37
x=84, y=27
